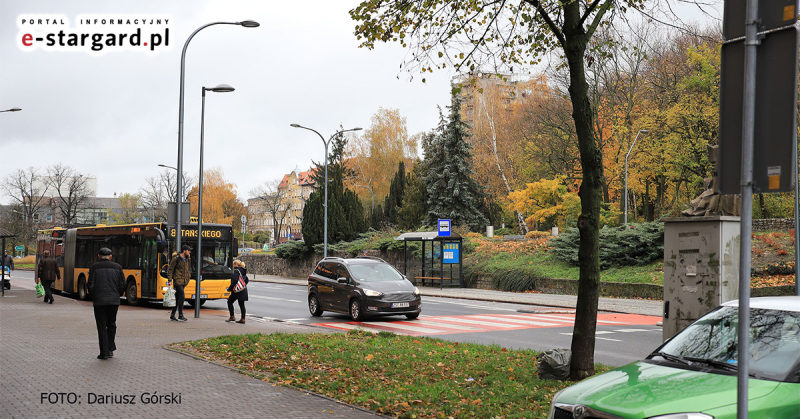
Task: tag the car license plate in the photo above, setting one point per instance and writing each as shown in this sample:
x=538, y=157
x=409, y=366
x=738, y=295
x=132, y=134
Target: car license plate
x=201, y=296
x=399, y=305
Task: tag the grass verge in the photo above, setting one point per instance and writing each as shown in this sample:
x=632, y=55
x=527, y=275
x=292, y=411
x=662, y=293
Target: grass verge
x=401, y=376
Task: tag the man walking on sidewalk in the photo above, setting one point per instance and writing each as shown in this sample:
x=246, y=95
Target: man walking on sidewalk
x=106, y=285
x=46, y=273
x=179, y=274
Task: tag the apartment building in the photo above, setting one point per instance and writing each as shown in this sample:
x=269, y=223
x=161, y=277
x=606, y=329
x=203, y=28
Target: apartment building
x=291, y=196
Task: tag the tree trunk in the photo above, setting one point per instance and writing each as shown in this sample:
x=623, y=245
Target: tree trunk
x=591, y=190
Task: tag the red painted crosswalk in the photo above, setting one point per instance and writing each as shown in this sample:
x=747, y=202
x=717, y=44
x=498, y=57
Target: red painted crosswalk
x=439, y=325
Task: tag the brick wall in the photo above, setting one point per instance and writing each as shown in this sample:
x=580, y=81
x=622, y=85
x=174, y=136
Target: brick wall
x=773, y=224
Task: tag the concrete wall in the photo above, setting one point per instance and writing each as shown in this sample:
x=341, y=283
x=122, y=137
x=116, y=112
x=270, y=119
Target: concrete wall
x=773, y=224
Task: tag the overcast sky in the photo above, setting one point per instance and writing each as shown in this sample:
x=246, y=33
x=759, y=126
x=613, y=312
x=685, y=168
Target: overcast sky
x=115, y=115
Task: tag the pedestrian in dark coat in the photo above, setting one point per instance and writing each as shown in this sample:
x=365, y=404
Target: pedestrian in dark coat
x=179, y=274
x=46, y=273
x=8, y=260
x=106, y=285
x=239, y=271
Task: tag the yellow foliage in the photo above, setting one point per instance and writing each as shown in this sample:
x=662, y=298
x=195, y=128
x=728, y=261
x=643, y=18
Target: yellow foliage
x=537, y=234
x=546, y=200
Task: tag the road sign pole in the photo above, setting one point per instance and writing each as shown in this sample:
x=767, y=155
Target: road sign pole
x=748, y=131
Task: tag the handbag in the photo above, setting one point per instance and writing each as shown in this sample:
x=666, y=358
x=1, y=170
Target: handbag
x=169, y=297
x=39, y=290
x=240, y=285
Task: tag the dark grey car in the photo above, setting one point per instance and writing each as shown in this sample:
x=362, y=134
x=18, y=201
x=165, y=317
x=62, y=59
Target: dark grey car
x=361, y=287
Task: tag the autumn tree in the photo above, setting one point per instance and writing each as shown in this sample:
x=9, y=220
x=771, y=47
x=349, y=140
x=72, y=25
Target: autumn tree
x=452, y=190
x=495, y=107
x=504, y=34
x=130, y=209
x=548, y=201
x=373, y=157
x=220, y=203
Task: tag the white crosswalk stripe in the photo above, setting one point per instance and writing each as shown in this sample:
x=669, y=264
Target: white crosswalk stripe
x=517, y=321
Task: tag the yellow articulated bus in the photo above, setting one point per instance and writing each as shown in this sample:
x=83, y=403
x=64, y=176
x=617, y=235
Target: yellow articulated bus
x=144, y=252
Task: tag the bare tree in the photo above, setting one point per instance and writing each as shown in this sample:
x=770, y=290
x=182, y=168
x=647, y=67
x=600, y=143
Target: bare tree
x=159, y=190
x=275, y=203
x=70, y=189
x=26, y=189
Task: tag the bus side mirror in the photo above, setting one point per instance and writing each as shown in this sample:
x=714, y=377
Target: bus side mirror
x=235, y=250
x=161, y=246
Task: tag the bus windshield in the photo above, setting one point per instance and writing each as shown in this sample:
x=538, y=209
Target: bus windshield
x=216, y=260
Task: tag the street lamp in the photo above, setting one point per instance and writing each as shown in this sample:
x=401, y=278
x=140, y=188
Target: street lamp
x=246, y=24
x=626, y=172
x=325, y=253
x=222, y=88
x=12, y=110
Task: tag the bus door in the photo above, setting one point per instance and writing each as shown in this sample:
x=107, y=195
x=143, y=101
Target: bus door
x=69, y=260
x=149, y=257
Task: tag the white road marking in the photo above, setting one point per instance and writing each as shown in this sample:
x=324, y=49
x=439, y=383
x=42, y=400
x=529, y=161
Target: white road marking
x=482, y=323
x=275, y=299
x=633, y=330
x=518, y=321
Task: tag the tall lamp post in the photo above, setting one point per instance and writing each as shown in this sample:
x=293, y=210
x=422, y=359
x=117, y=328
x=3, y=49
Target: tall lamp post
x=626, y=172
x=12, y=110
x=325, y=253
x=222, y=88
x=246, y=24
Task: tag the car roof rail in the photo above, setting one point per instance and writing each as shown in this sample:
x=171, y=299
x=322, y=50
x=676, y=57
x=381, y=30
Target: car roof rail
x=370, y=257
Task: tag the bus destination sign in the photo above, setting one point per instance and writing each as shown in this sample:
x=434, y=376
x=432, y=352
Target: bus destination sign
x=208, y=233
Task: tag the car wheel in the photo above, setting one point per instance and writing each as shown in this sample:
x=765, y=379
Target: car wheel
x=355, y=310
x=82, y=294
x=412, y=316
x=131, y=294
x=313, y=305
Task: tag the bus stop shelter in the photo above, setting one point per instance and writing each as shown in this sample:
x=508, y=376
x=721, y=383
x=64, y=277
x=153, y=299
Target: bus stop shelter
x=4, y=234
x=448, y=260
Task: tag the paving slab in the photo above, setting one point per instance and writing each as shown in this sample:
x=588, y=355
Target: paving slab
x=49, y=367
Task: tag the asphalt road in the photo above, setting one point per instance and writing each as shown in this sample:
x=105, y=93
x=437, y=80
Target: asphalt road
x=620, y=338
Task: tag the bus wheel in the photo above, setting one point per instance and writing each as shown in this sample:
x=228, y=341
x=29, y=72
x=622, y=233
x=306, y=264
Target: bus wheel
x=131, y=294
x=190, y=301
x=82, y=294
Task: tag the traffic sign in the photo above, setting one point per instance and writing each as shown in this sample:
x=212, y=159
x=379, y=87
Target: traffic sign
x=775, y=118
x=772, y=14
x=19, y=248
x=444, y=228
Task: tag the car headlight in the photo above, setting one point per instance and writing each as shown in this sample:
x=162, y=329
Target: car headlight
x=371, y=293
x=683, y=416
x=416, y=291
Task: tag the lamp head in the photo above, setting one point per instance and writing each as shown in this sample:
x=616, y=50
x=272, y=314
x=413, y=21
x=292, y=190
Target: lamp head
x=295, y=125
x=222, y=88
x=249, y=23
x=15, y=109
x=644, y=131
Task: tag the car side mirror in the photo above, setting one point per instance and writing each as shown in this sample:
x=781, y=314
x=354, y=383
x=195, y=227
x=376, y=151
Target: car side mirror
x=342, y=280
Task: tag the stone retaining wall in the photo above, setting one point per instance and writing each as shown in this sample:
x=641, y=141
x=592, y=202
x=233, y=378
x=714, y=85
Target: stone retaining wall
x=773, y=224
x=267, y=264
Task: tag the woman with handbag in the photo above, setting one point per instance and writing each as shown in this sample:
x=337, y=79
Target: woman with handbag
x=238, y=289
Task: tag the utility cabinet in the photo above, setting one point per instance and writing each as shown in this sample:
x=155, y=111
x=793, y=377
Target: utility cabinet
x=701, y=267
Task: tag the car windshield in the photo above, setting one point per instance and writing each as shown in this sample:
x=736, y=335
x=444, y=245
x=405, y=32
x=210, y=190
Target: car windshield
x=374, y=271
x=774, y=343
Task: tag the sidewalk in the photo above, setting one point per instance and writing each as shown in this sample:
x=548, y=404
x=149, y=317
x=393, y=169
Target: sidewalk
x=616, y=305
x=49, y=367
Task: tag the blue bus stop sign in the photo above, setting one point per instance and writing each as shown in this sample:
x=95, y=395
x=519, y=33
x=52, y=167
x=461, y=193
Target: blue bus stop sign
x=444, y=228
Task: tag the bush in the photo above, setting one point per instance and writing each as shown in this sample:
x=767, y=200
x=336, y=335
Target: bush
x=631, y=245
x=500, y=232
x=537, y=234
x=473, y=235
x=291, y=250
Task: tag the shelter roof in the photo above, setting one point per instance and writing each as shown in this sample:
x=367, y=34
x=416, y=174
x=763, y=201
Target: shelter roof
x=426, y=236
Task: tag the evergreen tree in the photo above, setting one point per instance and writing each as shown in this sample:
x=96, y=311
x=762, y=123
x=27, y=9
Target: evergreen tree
x=345, y=212
x=453, y=192
x=415, y=200
x=394, y=201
